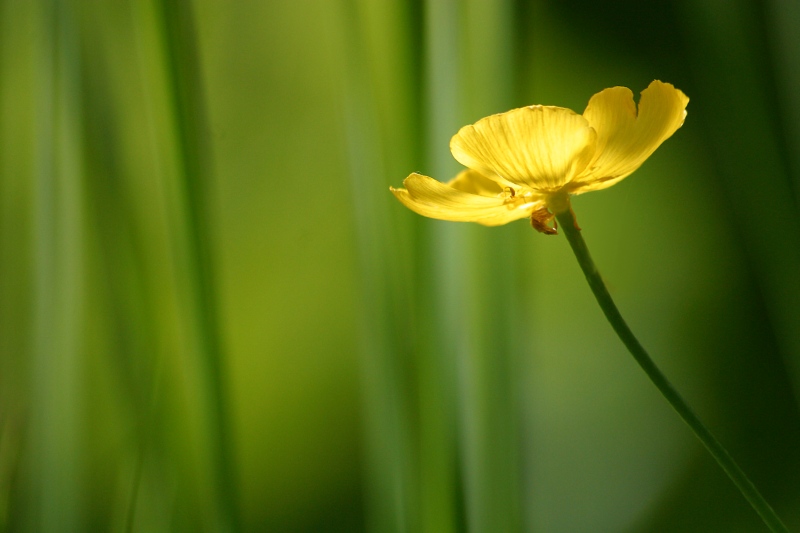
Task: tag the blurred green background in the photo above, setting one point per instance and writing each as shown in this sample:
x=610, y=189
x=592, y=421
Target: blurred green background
x=215, y=317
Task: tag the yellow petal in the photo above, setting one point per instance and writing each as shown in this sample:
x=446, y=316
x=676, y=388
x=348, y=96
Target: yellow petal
x=625, y=140
x=434, y=199
x=474, y=182
x=538, y=147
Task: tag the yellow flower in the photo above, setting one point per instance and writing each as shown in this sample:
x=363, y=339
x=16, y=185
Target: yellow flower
x=528, y=161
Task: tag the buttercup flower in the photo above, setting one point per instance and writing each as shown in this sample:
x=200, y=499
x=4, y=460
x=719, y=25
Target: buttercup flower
x=528, y=161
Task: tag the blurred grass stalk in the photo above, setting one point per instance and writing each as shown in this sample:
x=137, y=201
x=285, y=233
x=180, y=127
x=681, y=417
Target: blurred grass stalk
x=462, y=465
x=783, y=17
x=43, y=77
x=479, y=315
x=756, y=171
x=17, y=78
x=490, y=369
x=129, y=314
x=194, y=187
x=386, y=331
x=55, y=435
x=443, y=295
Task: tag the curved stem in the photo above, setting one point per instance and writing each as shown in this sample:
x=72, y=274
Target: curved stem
x=566, y=221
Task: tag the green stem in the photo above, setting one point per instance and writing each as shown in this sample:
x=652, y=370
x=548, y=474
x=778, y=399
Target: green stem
x=566, y=220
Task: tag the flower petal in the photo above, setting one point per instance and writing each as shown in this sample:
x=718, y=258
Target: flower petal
x=474, y=182
x=538, y=147
x=434, y=199
x=625, y=140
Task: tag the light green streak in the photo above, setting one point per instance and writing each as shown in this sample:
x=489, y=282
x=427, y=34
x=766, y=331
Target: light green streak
x=391, y=502
x=446, y=295
x=489, y=372
x=58, y=266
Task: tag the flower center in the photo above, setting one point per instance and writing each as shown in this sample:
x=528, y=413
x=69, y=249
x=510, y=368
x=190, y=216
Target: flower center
x=558, y=202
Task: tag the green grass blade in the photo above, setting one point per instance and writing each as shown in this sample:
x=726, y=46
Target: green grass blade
x=489, y=392
x=17, y=61
x=733, y=69
x=391, y=475
x=58, y=304
x=187, y=103
x=444, y=296
x=783, y=16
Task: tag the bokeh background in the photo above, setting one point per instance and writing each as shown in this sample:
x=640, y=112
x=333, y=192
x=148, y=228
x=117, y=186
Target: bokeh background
x=215, y=317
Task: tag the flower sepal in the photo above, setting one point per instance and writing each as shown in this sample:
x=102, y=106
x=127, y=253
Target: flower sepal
x=543, y=221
